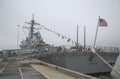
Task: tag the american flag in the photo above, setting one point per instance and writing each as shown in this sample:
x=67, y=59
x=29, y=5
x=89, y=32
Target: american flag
x=102, y=23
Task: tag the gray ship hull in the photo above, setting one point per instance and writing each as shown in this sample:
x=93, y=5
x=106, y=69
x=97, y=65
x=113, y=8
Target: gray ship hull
x=84, y=62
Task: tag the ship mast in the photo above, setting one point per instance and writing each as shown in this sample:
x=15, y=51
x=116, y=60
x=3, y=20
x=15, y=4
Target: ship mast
x=31, y=28
x=32, y=23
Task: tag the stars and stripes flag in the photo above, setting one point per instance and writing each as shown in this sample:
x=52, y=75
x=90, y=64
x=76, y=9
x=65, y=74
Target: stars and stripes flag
x=102, y=23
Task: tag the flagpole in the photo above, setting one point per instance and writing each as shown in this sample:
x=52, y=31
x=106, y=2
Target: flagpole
x=96, y=33
x=118, y=72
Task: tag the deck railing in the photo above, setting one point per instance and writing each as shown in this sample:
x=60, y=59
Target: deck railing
x=106, y=49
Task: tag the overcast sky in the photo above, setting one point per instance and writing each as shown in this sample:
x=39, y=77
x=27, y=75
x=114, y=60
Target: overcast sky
x=61, y=16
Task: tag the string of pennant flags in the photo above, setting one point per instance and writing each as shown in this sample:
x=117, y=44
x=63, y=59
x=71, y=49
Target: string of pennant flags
x=101, y=23
x=60, y=35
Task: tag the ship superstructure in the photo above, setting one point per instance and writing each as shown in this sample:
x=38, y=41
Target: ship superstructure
x=34, y=39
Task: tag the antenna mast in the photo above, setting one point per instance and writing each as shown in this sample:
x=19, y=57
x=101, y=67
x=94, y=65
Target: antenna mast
x=84, y=37
x=77, y=34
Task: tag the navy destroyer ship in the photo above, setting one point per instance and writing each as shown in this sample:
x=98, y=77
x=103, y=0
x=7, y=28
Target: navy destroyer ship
x=73, y=58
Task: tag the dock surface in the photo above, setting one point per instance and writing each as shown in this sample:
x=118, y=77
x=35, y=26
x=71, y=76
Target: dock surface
x=51, y=73
x=18, y=68
x=12, y=70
